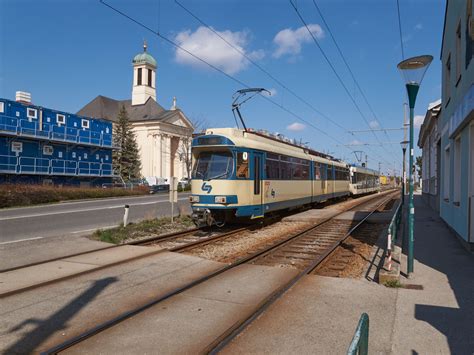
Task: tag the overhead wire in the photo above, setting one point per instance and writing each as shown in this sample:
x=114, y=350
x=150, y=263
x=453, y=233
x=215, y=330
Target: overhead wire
x=279, y=82
x=400, y=29
x=171, y=42
x=334, y=70
x=349, y=68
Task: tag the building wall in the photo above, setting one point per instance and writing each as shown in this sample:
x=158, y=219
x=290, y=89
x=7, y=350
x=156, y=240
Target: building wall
x=39, y=144
x=455, y=94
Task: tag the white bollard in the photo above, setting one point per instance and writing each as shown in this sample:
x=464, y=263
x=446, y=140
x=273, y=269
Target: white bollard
x=125, y=215
x=389, y=252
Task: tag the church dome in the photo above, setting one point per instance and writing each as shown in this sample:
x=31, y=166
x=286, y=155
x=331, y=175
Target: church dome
x=144, y=58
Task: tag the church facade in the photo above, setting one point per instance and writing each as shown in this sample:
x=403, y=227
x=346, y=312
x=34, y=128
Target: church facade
x=161, y=134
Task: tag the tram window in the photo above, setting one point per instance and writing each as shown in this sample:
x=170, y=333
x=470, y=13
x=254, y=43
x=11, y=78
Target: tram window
x=317, y=171
x=285, y=170
x=242, y=165
x=305, y=171
x=297, y=171
x=272, y=168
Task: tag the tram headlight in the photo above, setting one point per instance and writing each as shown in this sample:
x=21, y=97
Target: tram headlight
x=193, y=199
x=220, y=199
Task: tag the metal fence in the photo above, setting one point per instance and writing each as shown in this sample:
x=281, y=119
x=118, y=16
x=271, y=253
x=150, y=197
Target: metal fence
x=19, y=127
x=360, y=340
x=43, y=166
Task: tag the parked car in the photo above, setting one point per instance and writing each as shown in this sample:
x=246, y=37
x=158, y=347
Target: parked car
x=159, y=188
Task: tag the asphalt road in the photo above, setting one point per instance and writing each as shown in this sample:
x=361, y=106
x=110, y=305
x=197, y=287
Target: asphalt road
x=80, y=217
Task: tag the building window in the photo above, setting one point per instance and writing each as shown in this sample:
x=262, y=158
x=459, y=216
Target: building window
x=2, y=106
x=17, y=147
x=139, y=76
x=17, y=113
x=107, y=157
x=97, y=157
x=60, y=154
x=457, y=172
x=85, y=155
x=447, y=80
x=73, y=155
x=31, y=113
x=47, y=150
x=107, y=130
x=458, y=53
x=447, y=171
x=85, y=123
x=60, y=119
x=149, y=77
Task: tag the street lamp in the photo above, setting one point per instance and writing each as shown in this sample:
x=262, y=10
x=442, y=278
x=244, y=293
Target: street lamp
x=413, y=71
x=403, y=144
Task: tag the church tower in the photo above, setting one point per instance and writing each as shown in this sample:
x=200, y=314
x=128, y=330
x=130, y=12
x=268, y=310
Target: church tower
x=144, y=77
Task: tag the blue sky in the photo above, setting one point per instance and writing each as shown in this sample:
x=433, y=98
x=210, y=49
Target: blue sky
x=67, y=52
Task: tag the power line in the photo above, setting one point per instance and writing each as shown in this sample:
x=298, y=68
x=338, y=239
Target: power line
x=400, y=29
x=217, y=69
x=169, y=41
x=348, y=66
x=333, y=69
x=259, y=66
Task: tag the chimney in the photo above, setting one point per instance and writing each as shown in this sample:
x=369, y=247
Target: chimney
x=24, y=97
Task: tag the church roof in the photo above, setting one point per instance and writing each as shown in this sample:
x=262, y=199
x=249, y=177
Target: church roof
x=107, y=108
x=144, y=58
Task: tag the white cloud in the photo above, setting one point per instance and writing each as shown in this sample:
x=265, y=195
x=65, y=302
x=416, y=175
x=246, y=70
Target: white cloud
x=289, y=41
x=296, y=127
x=374, y=124
x=208, y=46
x=418, y=121
x=419, y=26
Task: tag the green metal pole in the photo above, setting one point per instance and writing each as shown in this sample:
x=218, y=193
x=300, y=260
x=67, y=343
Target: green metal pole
x=412, y=91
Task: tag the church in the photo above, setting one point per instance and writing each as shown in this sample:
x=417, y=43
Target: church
x=161, y=134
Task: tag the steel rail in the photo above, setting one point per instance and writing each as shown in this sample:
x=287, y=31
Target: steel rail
x=237, y=328
x=128, y=314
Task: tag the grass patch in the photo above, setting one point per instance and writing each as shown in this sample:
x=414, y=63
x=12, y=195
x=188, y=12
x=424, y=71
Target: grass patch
x=27, y=195
x=142, y=230
x=393, y=284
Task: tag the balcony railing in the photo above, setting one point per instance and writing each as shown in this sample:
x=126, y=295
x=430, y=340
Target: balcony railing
x=42, y=166
x=21, y=127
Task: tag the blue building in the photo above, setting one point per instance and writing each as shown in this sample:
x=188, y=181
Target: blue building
x=42, y=145
x=456, y=121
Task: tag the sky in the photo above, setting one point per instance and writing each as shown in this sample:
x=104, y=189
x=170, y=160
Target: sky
x=67, y=52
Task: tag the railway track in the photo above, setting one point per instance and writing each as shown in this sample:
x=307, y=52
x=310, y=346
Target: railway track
x=312, y=258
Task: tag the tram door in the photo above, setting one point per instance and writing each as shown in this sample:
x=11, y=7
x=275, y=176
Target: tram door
x=257, y=185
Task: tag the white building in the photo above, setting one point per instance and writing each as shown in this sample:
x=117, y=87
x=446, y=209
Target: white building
x=160, y=133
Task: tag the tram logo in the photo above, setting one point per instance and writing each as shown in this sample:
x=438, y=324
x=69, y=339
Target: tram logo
x=206, y=187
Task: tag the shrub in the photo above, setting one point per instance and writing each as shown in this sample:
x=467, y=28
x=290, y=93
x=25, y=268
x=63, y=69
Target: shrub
x=25, y=195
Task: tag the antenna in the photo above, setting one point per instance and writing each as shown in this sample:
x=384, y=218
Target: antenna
x=240, y=94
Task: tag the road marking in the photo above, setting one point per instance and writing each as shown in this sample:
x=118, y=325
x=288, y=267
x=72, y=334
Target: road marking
x=87, y=209
x=94, y=229
x=20, y=240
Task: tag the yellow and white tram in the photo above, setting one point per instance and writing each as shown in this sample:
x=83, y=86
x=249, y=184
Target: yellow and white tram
x=247, y=174
x=364, y=180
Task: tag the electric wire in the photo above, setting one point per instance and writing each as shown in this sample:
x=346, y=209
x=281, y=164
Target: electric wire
x=169, y=41
x=349, y=68
x=279, y=82
x=335, y=72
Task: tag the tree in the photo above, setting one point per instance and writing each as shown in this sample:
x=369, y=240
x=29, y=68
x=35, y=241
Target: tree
x=419, y=164
x=126, y=160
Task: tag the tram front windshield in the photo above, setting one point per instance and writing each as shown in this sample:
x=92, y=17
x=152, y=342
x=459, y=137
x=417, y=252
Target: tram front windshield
x=213, y=165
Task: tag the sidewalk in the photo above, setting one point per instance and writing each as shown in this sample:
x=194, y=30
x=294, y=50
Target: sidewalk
x=440, y=318
x=320, y=314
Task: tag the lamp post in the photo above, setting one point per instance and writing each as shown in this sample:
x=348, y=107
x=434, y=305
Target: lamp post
x=413, y=70
x=403, y=144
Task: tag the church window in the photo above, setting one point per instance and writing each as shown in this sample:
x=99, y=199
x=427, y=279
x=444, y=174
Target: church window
x=139, y=77
x=149, y=77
